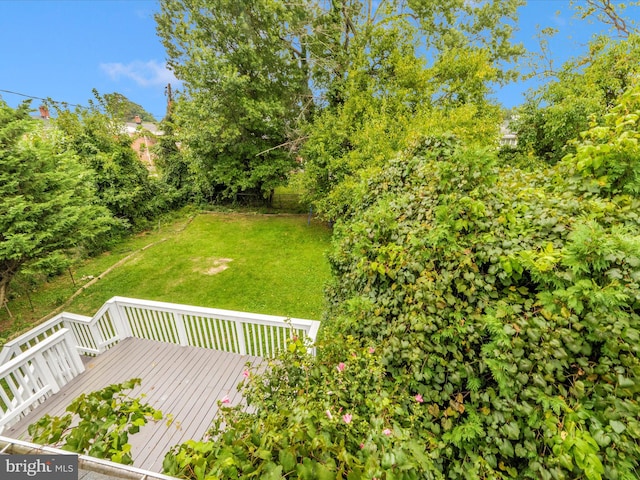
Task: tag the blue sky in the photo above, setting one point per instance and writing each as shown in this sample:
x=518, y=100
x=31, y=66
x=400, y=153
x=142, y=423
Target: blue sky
x=62, y=49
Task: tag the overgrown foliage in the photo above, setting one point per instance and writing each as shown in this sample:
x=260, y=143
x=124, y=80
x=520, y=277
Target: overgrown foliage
x=262, y=78
x=585, y=88
x=98, y=424
x=122, y=182
x=489, y=294
x=482, y=324
x=606, y=156
x=314, y=420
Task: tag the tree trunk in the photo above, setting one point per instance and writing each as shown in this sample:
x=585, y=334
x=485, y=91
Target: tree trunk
x=8, y=270
x=3, y=292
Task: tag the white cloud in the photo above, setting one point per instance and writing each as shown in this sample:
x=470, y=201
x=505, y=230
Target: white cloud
x=559, y=20
x=144, y=14
x=145, y=74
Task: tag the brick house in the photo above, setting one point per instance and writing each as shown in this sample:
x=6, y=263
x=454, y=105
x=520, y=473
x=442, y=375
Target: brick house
x=144, y=136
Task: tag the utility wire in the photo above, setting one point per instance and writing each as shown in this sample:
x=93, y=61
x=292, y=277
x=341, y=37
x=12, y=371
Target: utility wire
x=55, y=101
x=40, y=98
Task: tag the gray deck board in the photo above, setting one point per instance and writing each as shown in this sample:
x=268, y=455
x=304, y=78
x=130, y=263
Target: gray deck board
x=185, y=382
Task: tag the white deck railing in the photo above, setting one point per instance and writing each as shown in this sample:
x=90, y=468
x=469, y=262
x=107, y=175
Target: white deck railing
x=32, y=376
x=36, y=335
x=27, y=360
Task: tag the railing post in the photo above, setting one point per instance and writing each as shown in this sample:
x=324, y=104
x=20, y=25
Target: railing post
x=312, y=331
x=242, y=348
x=183, y=338
x=99, y=340
x=72, y=351
x=119, y=320
x=44, y=371
x=7, y=352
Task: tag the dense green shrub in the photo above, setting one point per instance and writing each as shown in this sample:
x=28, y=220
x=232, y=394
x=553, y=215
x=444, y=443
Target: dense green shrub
x=122, y=183
x=518, y=293
x=47, y=204
x=314, y=420
x=500, y=294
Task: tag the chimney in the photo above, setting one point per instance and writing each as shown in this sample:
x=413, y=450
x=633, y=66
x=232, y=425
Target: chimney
x=44, y=112
x=137, y=119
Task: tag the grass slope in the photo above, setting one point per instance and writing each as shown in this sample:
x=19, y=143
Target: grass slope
x=275, y=265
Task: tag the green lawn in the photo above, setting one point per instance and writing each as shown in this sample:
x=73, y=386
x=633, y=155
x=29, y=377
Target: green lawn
x=275, y=264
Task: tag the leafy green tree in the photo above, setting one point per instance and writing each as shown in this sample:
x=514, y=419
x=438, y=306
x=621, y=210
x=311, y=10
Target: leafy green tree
x=243, y=79
x=367, y=118
x=585, y=87
x=255, y=72
x=390, y=92
x=171, y=162
x=124, y=109
x=465, y=45
x=47, y=203
x=122, y=182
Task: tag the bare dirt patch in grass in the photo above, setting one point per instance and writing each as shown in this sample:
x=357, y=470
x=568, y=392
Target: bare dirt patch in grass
x=211, y=266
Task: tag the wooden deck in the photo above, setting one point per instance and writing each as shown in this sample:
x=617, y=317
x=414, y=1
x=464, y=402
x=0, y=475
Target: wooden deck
x=186, y=382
